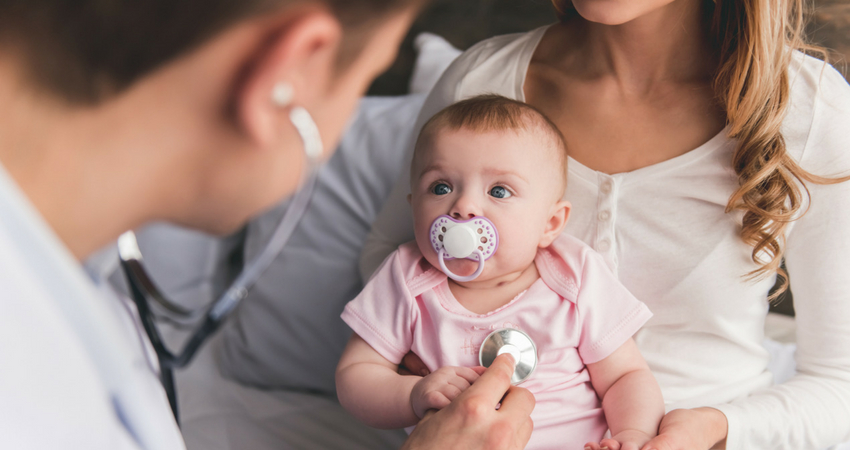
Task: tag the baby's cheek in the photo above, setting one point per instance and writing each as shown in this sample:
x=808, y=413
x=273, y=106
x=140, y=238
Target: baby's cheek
x=516, y=253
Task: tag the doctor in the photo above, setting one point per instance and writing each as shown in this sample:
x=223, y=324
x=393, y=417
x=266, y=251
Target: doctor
x=118, y=113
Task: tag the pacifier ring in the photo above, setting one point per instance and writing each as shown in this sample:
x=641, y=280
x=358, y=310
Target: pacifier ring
x=457, y=277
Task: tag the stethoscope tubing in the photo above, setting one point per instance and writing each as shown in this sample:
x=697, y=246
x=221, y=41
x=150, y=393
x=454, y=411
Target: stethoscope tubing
x=142, y=287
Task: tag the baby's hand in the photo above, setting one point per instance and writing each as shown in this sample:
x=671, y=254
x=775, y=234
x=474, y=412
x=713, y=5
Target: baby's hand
x=624, y=440
x=437, y=389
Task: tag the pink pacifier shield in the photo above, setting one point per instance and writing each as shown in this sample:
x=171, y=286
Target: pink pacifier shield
x=486, y=236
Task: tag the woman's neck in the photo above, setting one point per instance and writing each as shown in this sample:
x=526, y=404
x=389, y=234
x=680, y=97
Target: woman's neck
x=670, y=43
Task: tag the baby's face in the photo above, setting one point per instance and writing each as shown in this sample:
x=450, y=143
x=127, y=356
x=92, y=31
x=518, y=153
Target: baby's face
x=510, y=177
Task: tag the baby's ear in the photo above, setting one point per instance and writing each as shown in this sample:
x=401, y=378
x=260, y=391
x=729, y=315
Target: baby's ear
x=558, y=217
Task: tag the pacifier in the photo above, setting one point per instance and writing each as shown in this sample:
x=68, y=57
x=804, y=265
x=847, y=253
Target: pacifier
x=475, y=239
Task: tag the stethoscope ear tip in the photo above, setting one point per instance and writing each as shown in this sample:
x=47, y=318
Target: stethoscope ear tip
x=128, y=247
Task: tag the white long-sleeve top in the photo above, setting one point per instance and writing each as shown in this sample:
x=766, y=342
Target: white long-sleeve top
x=664, y=232
x=77, y=372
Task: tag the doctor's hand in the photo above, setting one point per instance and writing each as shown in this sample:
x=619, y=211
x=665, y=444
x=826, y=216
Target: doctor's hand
x=472, y=421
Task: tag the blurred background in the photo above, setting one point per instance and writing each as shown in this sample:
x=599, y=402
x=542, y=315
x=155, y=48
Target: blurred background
x=465, y=22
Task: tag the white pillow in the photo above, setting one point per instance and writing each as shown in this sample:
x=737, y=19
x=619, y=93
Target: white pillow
x=435, y=55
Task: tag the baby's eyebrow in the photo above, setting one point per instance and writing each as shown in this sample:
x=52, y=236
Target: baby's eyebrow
x=499, y=173
x=430, y=168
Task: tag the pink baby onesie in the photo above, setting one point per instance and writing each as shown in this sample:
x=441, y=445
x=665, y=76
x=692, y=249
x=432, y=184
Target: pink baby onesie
x=577, y=313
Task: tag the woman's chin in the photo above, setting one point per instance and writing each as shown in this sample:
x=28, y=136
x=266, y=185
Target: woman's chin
x=608, y=12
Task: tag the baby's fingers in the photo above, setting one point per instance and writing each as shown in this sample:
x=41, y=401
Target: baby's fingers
x=450, y=391
x=467, y=374
x=437, y=400
x=459, y=383
x=611, y=444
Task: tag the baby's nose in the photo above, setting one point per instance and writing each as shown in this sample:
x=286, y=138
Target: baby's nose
x=465, y=208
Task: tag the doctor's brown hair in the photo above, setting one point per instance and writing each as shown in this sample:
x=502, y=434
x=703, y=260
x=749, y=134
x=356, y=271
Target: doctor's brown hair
x=755, y=41
x=84, y=51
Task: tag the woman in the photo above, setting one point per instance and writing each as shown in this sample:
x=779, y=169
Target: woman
x=117, y=114
x=699, y=141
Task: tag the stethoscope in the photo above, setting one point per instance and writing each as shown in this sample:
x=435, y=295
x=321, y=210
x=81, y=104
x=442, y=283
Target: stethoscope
x=143, y=288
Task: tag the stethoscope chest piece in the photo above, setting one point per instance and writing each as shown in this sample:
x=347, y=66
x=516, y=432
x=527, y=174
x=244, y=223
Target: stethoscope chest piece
x=515, y=342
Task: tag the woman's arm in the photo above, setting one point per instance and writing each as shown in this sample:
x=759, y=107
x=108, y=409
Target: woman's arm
x=811, y=410
x=630, y=397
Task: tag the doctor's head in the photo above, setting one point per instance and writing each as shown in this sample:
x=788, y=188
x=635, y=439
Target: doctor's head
x=205, y=86
x=498, y=158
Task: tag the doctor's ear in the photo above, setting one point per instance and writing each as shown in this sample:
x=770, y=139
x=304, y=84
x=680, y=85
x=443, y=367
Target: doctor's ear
x=559, y=215
x=294, y=65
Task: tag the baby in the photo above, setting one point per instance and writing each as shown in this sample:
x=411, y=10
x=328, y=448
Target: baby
x=492, y=158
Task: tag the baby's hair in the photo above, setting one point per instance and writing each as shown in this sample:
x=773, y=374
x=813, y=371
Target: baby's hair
x=491, y=112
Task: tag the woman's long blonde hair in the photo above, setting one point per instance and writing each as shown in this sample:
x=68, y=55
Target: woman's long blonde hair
x=755, y=41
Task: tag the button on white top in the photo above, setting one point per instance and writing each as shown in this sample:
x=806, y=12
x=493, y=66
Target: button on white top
x=604, y=245
x=604, y=216
x=606, y=187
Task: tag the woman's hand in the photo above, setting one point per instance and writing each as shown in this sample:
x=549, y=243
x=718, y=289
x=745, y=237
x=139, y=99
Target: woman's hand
x=472, y=421
x=690, y=429
x=412, y=365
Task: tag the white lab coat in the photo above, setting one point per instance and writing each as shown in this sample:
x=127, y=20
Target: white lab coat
x=74, y=372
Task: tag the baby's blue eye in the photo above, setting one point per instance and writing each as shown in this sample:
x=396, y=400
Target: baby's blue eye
x=499, y=192
x=441, y=189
